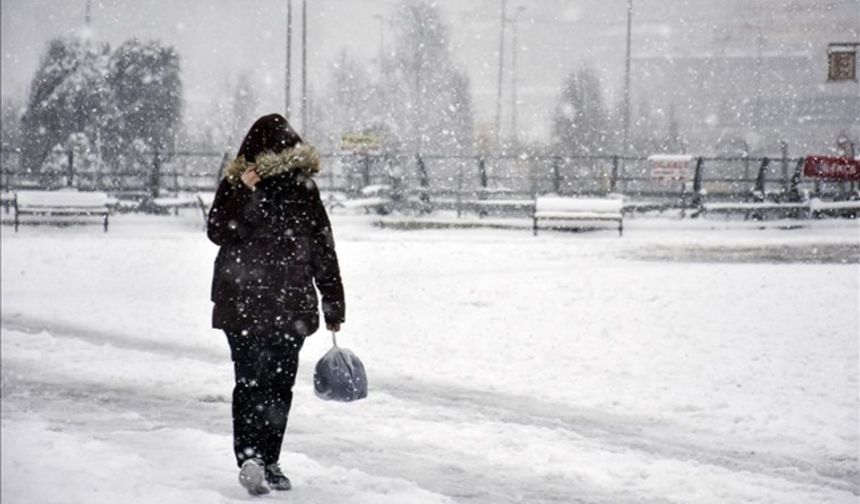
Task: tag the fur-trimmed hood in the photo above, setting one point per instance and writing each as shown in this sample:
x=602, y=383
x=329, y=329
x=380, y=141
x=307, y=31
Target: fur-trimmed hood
x=302, y=157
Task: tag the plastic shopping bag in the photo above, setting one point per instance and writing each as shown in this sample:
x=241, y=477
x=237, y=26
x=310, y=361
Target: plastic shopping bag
x=340, y=375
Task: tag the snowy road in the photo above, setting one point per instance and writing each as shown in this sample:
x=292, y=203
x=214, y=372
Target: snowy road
x=485, y=420
x=125, y=410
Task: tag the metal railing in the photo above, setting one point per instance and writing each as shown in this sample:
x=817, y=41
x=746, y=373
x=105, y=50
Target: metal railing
x=437, y=180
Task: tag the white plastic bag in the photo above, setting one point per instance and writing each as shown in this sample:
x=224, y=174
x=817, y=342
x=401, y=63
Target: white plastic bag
x=339, y=375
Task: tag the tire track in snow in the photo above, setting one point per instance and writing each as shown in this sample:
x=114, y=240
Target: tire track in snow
x=616, y=432
x=659, y=438
x=72, y=405
x=32, y=325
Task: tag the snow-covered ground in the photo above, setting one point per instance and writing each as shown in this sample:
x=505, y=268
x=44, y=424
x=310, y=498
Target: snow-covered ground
x=686, y=362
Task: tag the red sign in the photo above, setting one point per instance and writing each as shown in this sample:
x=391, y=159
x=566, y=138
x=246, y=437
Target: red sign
x=837, y=168
x=670, y=166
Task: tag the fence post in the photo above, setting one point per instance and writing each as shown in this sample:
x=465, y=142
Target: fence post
x=794, y=184
x=697, y=183
x=71, y=167
x=99, y=175
x=459, y=190
x=482, y=181
x=785, y=181
x=482, y=176
x=225, y=160
x=761, y=177
x=365, y=169
x=395, y=179
x=794, y=188
x=155, y=177
x=613, y=181
x=533, y=181
x=556, y=174
x=424, y=183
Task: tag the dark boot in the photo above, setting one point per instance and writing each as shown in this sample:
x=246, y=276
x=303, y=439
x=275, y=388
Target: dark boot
x=276, y=479
x=251, y=476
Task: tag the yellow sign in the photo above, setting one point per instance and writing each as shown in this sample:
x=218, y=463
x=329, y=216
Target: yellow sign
x=359, y=142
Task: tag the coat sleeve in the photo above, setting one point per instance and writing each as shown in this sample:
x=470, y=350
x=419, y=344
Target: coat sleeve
x=325, y=264
x=234, y=214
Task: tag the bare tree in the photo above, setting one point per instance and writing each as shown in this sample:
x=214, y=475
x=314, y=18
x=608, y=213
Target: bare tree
x=581, y=123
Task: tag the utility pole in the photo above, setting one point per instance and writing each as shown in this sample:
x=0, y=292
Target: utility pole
x=419, y=98
x=514, y=51
x=289, y=77
x=759, y=62
x=305, y=67
x=627, y=80
x=501, y=74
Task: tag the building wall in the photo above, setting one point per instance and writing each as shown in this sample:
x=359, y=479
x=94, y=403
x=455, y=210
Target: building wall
x=757, y=77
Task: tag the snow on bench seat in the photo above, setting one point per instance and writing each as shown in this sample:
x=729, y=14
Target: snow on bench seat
x=503, y=203
x=752, y=205
x=181, y=200
x=816, y=205
x=486, y=206
x=752, y=208
x=559, y=208
x=55, y=206
x=201, y=200
x=378, y=203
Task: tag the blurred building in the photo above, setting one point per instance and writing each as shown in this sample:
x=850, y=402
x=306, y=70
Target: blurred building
x=747, y=76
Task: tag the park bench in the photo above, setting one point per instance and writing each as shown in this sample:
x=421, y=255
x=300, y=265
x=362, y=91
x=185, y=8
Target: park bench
x=201, y=200
x=373, y=197
x=496, y=201
x=798, y=205
x=176, y=201
x=565, y=210
x=755, y=209
x=61, y=207
x=500, y=206
x=819, y=208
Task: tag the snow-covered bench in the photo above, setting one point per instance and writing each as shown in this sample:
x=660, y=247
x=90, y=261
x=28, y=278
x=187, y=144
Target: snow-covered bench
x=565, y=210
x=491, y=206
x=177, y=201
x=61, y=207
x=377, y=204
x=750, y=208
x=814, y=207
x=817, y=207
x=201, y=200
x=373, y=197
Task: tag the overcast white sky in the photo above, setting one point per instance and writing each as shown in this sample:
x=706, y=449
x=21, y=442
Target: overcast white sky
x=219, y=38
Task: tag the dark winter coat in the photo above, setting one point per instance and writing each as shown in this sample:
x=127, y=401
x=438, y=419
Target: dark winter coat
x=276, y=242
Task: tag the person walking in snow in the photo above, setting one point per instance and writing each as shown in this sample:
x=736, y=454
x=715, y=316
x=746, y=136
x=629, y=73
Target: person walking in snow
x=275, y=243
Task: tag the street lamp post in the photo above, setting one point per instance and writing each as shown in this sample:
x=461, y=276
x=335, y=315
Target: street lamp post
x=514, y=50
x=288, y=79
x=305, y=67
x=501, y=74
x=627, y=79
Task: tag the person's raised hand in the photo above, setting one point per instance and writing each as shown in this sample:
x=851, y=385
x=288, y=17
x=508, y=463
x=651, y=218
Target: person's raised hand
x=250, y=177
